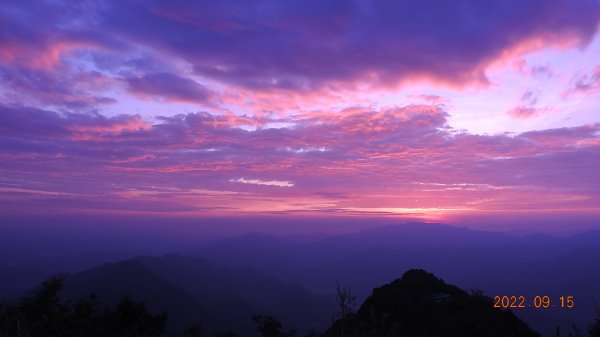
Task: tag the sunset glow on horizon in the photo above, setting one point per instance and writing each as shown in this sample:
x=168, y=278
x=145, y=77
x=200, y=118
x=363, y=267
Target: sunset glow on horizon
x=429, y=110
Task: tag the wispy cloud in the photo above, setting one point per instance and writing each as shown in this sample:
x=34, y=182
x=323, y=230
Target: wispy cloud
x=278, y=183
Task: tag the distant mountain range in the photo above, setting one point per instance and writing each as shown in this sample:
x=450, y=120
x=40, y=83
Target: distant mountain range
x=498, y=263
x=296, y=277
x=194, y=291
x=134, y=301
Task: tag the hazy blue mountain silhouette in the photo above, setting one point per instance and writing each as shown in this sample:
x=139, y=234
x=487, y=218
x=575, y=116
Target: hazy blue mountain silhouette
x=420, y=304
x=112, y=281
x=194, y=291
x=257, y=250
x=295, y=305
x=30, y=272
x=498, y=263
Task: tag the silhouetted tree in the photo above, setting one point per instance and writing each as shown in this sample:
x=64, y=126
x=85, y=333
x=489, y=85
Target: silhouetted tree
x=312, y=333
x=270, y=326
x=576, y=332
x=594, y=330
x=225, y=334
x=346, y=302
x=133, y=319
x=194, y=331
x=43, y=314
x=475, y=292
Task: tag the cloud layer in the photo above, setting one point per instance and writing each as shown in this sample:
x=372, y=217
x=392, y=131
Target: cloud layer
x=299, y=46
x=236, y=107
x=398, y=161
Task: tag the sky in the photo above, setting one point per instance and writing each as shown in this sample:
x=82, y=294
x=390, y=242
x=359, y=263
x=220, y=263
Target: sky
x=461, y=111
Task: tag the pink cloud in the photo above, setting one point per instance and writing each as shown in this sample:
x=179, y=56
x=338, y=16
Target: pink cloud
x=586, y=84
x=402, y=161
x=169, y=87
x=523, y=112
x=528, y=106
x=293, y=47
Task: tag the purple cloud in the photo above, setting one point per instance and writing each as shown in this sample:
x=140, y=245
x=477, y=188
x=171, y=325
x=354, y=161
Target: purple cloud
x=169, y=87
x=301, y=45
x=586, y=83
x=63, y=88
x=211, y=160
x=527, y=107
